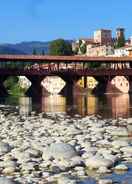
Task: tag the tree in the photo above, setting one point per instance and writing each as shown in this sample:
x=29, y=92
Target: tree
x=60, y=47
x=80, y=43
x=83, y=48
x=120, y=42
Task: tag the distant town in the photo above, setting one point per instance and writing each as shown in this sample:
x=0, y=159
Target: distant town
x=103, y=44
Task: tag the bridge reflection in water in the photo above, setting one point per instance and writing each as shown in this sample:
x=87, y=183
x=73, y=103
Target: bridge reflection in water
x=108, y=106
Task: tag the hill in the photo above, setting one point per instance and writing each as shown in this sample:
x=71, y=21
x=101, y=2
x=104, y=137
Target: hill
x=25, y=48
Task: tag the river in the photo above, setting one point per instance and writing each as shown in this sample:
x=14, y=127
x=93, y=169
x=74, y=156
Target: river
x=107, y=105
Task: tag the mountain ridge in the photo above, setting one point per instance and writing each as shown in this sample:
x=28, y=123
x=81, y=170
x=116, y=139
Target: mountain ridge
x=26, y=47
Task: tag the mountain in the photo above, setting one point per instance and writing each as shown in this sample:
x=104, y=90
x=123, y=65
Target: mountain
x=25, y=48
x=9, y=50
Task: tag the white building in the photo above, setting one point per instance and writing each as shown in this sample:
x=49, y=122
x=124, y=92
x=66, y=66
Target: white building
x=102, y=50
x=123, y=51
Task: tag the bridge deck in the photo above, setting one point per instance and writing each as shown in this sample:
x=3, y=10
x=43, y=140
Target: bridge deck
x=47, y=58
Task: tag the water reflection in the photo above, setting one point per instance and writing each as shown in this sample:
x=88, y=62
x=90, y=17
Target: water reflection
x=25, y=105
x=119, y=105
x=53, y=103
x=108, y=106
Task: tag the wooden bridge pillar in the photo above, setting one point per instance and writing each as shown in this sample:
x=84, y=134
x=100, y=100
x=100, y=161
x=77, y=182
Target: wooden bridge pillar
x=3, y=91
x=85, y=81
x=35, y=89
x=70, y=83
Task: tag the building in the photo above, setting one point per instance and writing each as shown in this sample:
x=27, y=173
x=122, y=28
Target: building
x=123, y=51
x=101, y=50
x=120, y=33
x=76, y=46
x=103, y=36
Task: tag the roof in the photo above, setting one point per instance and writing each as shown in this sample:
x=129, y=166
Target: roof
x=47, y=58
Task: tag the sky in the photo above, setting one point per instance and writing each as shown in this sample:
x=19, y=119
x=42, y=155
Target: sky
x=45, y=20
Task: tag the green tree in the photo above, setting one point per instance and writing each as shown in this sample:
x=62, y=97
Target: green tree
x=80, y=43
x=94, y=65
x=83, y=48
x=120, y=42
x=60, y=47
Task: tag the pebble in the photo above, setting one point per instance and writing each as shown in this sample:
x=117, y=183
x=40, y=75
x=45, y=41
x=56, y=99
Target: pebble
x=105, y=181
x=57, y=148
x=121, y=167
x=5, y=180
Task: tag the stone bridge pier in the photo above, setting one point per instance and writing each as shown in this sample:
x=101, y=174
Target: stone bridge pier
x=130, y=83
x=113, y=84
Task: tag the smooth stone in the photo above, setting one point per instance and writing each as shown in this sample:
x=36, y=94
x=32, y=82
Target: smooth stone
x=81, y=173
x=76, y=161
x=9, y=170
x=4, y=148
x=119, y=143
x=66, y=180
x=5, y=180
x=103, y=170
x=97, y=162
x=118, y=131
x=45, y=174
x=121, y=167
x=127, y=149
x=111, y=157
x=59, y=151
x=129, y=120
x=105, y=181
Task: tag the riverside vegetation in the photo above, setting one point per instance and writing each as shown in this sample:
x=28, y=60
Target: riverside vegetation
x=60, y=149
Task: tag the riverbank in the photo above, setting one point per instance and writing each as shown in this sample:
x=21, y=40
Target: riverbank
x=56, y=148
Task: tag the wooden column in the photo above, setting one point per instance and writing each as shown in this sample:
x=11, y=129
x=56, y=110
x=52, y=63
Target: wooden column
x=85, y=81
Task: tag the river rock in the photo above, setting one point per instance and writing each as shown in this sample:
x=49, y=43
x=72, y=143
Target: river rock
x=4, y=148
x=9, y=170
x=59, y=151
x=105, y=181
x=119, y=143
x=129, y=121
x=5, y=180
x=121, y=167
x=103, y=170
x=120, y=131
x=127, y=149
x=96, y=162
x=66, y=180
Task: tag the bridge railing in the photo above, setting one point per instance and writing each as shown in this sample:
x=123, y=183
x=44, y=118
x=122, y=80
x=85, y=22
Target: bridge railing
x=55, y=67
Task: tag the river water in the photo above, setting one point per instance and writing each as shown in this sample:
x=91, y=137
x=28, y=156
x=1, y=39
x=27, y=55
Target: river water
x=108, y=105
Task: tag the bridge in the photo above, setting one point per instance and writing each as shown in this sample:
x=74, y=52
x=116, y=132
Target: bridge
x=69, y=68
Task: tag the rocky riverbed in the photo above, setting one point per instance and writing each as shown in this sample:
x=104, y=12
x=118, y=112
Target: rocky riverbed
x=56, y=148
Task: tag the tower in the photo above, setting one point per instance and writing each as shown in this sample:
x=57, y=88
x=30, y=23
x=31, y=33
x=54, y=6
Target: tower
x=120, y=33
x=103, y=36
x=120, y=37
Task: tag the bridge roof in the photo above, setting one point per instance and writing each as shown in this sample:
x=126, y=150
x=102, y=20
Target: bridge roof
x=47, y=58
